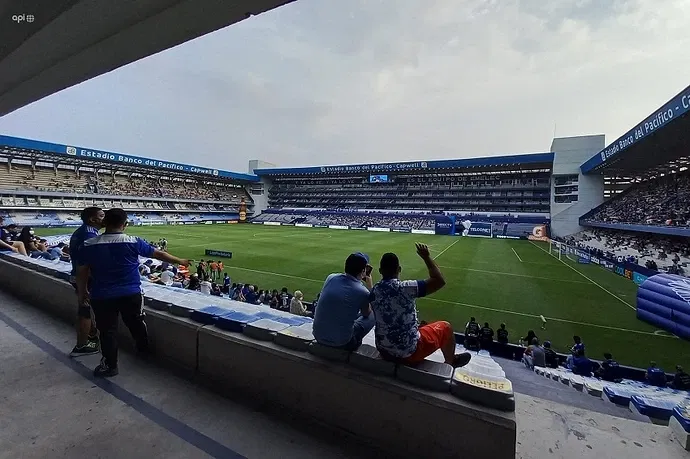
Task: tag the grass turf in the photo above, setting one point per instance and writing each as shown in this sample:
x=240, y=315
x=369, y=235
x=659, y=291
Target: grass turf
x=493, y=280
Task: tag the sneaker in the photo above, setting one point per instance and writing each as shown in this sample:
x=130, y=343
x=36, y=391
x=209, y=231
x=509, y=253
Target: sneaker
x=461, y=360
x=105, y=371
x=87, y=349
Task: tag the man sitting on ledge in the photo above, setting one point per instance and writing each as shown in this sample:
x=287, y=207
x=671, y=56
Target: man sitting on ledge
x=398, y=334
x=343, y=316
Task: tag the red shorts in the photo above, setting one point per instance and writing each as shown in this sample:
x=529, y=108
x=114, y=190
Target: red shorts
x=431, y=337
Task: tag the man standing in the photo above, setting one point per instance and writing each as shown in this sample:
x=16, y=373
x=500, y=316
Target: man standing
x=344, y=317
x=112, y=262
x=87, y=335
x=398, y=334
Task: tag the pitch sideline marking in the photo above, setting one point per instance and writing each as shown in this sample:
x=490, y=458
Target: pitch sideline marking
x=516, y=254
x=583, y=275
x=444, y=250
x=516, y=275
x=555, y=319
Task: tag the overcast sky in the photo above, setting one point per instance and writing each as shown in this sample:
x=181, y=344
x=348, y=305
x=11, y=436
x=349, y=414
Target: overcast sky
x=333, y=81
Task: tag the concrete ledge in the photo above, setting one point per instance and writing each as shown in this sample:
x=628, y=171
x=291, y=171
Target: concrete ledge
x=173, y=338
x=42, y=290
x=400, y=418
x=679, y=433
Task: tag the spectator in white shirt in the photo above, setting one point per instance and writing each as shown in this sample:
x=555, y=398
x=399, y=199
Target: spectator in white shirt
x=205, y=287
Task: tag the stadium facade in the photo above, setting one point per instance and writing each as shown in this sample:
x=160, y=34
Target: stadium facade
x=530, y=195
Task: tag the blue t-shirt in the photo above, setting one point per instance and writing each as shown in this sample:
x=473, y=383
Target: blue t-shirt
x=342, y=298
x=83, y=233
x=582, y=366
x=656, y=377
x=397, y=328
x=5, y=237
x=114, y=262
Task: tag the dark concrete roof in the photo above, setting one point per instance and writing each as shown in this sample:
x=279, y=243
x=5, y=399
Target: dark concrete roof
x=71, y=41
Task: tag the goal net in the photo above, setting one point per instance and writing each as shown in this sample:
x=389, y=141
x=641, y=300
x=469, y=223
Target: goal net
x=562, y=251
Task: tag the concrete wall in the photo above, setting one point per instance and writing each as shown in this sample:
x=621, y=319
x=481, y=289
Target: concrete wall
x=570, y=153
x=398, y=417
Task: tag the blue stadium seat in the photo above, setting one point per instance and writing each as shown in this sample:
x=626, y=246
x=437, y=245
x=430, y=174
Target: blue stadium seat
x=292, y=320
x=427, y=374
x=235, y=321
x=264, y=329
x=368, y=358
x=657, y=409
x=328, y=352
x=680, y=424
x=296, y=338
x=618, y=394
x=209, y=314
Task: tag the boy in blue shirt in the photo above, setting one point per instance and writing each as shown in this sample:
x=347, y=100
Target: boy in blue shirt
x=108, y=277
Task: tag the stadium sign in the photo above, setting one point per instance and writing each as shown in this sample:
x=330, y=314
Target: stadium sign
x=376, y=167
x=383, y=230
x=673, y=109
x=218, y=253
x=86, y=153
x=303, y=225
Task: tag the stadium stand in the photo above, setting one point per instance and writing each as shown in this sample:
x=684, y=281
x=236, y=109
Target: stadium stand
x=503, y=190
x=663, y=201
x=223, y=338
x=39, y=179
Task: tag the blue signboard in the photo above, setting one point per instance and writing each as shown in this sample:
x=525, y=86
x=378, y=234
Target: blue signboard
x=98, y=155
x=413, y=165
x=672, y=110
x=445, y=225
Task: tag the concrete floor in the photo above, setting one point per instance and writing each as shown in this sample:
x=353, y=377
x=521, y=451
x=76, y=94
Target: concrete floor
x=51, y=407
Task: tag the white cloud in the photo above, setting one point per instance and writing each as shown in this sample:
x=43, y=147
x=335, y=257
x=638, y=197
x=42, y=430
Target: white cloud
x=324, y=82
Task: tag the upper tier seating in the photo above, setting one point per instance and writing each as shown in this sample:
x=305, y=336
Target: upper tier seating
x=664, y=201
x=493, y=192
x=24, y=177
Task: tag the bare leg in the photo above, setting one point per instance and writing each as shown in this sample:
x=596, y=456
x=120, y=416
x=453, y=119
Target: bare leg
x=20, y=247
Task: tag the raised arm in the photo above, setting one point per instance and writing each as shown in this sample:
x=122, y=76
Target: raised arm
x=169, y=258
x=436, y=281
x=5, y=245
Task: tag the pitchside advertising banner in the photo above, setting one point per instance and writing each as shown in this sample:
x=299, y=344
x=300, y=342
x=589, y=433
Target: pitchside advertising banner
x=445, y=225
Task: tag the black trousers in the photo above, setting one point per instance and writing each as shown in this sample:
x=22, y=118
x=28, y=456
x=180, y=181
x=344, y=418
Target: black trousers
x=107, y=311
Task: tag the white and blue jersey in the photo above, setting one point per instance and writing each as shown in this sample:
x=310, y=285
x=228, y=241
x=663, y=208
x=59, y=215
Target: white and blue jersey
x=82, y=234
x=114, y=262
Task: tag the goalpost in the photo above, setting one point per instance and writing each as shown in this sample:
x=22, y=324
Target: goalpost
x=560, y=250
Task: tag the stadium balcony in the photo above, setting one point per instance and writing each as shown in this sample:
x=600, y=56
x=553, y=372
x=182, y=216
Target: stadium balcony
x=114, y=184
x=506, y=192
x=233, y=344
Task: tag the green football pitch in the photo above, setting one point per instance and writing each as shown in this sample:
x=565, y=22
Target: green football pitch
x=493, y=280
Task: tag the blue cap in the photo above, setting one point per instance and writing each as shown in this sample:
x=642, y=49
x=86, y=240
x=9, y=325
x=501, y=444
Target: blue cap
x=362, y=255
x=547, y=343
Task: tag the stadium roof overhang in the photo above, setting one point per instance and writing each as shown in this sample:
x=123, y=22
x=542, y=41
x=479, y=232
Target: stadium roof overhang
x=36, y=150
x=50, y=45
x=531, y=161
x=658, y=144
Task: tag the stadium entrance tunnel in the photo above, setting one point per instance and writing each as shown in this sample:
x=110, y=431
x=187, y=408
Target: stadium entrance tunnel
x=663, y=300
x=413, y=413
